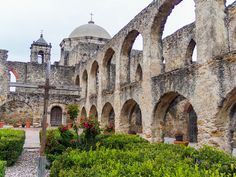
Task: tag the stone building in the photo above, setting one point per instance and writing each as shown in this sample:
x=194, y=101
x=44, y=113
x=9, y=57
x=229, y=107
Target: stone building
x=154, y=92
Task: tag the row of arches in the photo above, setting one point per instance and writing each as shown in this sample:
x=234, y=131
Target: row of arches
x=92, y=81
x=172, y=113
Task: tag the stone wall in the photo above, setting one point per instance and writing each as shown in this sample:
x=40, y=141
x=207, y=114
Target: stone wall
x=166, y=71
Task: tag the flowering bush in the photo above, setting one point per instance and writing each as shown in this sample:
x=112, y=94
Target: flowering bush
x=90, y=127
x=66, y=135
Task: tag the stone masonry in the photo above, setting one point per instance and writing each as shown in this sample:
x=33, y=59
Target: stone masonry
x=154, y=92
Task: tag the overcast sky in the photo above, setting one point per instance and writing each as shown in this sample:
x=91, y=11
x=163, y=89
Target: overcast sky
x=22, y=20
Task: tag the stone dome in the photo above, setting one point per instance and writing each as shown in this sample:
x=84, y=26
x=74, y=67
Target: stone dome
x=91, y=30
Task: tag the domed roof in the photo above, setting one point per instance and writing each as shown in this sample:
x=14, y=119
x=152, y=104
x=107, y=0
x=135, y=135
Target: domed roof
x=41, y=41
x=91, y=30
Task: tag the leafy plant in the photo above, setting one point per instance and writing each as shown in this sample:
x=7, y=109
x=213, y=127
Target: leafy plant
x=2, y=168
x=11, y=145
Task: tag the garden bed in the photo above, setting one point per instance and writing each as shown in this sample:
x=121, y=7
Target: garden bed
x=130, y=155
x=11, y=145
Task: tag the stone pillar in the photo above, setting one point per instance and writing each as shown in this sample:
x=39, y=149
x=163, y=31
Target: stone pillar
x=4, y=76
x=146, y=98
x=211, y=31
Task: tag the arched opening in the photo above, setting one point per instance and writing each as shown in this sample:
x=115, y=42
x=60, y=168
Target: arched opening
x=12, y=79
x=94, y=78
x=130, y=55
x=131, y=118
x=77, y=80
x=232, y=129
x=175, y=20
x=56, y=116
x=84, y=84
x=93, y=112
x=108, y=115
x=109, y=68
x=83, y=113
x=40, y=57
x=165, y=23
x=174, y=113
x=229, y=2
x=139, y=73
x=226, y=122
x=190, y=56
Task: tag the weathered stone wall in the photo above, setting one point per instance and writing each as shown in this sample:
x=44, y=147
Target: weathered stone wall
x=207, y=85
x=3, y=77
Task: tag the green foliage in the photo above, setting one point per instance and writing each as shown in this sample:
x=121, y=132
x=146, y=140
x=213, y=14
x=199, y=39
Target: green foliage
x=120, y=141
x=131, y=156
x=2, y=168
x=73, y=111
x=11, y=145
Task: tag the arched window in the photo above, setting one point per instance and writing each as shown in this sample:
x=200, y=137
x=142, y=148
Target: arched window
x=109, y=70
x=12, y=79
x=77, y=81
x=129, y=54
x=191, y=56
x=139, y=73
x=94, y=78
x=40, y=57
x=85, y=84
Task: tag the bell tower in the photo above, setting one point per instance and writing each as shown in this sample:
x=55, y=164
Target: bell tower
x=40, y=51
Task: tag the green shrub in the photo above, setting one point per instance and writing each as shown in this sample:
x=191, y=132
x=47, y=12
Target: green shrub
x=120, y=141
x=2, y=168
x=11, y=145
x=136, y=157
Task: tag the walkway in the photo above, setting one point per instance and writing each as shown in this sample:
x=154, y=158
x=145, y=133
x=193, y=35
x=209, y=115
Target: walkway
x=27, y=164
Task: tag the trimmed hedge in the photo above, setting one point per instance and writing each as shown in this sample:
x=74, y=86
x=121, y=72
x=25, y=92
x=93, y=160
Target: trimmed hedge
x=2, y=168
x=139, y=158
x=11, y=145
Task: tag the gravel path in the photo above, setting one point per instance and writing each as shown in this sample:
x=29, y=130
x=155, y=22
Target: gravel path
x=26, y=166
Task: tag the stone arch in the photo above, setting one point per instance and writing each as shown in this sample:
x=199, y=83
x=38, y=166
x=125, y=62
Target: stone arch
x=226, y=121
x=77, y=80
x=139, y=73
x=157, y=29
x=131, y=117
x=108, y=115
x=189, y=53
x=15, y=73
x=83, y=113
x=125, y=59
x=173, y=113
x=93, y=111
x=94, y=73
x=56, y=116
x=109, y=69
x=84, y=84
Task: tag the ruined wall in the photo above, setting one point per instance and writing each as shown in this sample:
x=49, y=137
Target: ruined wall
x=34, y=74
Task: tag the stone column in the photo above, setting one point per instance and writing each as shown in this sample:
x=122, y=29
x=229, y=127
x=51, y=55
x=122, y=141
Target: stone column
x=211, y=31
x=146, y=99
